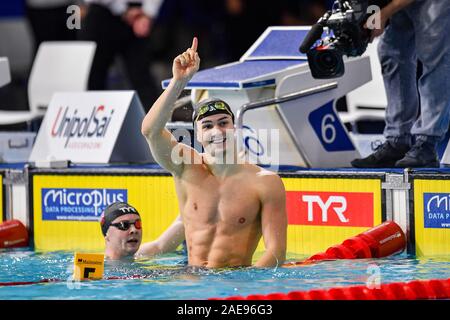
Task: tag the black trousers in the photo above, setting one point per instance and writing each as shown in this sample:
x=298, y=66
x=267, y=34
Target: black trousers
x=49, y=24
x=115, y=37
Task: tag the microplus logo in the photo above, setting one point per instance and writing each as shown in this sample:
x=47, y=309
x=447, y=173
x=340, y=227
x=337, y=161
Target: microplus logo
x=436, y=210
x=70, y=125
x=78, y=204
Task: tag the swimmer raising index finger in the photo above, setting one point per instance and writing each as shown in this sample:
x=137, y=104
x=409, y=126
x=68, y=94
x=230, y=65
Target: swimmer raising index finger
x=264, y=214
x=194, y=44
x=188, y=62
x=192, y=51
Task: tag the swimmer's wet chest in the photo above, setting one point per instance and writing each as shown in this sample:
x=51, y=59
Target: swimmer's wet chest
x=234, y=201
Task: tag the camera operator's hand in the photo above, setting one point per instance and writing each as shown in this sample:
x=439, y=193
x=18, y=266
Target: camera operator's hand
x=376, y=23
x=186, y=64
x=138, y=21
x=142, y=26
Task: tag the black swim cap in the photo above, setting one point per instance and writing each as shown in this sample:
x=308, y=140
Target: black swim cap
x=114, y=211
x=209, y=107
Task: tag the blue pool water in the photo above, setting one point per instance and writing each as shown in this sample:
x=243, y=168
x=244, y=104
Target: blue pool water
x=166, y=277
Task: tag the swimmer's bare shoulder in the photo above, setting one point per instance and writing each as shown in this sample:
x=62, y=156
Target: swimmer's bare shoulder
x=268, y=181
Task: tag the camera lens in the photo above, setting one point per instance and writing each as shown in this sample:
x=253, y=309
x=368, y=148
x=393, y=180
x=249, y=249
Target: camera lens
x=327, y=61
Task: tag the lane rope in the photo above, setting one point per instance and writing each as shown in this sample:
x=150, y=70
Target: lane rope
x=412, y=290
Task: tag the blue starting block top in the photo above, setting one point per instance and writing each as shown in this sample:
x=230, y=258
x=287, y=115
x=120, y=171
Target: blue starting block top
x=278, y=43
x=275, y=52
x=239, y=75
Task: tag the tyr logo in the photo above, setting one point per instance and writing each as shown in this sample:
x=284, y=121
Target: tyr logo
x=127, y=209
x=322, y=208
x=337, y=203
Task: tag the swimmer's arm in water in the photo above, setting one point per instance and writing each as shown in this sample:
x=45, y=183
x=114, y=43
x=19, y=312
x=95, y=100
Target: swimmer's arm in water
x=167, y=242
x=273, y=221
x=160, y=140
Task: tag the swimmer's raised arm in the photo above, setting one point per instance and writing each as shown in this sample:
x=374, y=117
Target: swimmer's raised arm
x=273, y=220
x=160, y=140
x=168, y=241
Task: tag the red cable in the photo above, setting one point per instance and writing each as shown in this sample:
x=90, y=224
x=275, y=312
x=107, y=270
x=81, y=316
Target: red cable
x=25, y=283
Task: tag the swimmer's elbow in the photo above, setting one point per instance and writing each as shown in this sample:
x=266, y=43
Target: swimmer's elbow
x=279, y=253
x=149, y=133
x=273, y=257
x=148, y=249
x=160, y=248
x=145, y=131
x=150, y=128
x=281, y=258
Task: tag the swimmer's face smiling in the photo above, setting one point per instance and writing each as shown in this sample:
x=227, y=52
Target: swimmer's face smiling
x=216, y=133
x=124, y=242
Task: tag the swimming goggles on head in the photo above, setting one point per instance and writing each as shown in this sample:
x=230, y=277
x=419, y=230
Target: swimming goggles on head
x=212, y=106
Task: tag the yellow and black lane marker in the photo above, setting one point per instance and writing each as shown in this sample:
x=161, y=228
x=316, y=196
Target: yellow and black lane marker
x=88, y=266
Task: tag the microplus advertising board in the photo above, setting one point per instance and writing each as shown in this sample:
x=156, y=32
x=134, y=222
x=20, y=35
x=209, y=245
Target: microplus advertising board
x=78, y=204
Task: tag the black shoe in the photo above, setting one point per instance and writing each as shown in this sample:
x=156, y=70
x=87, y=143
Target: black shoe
x=422, y=154
x=385, y=156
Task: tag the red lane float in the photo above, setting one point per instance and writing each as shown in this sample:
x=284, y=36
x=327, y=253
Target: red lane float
x=412, y=290
x=381, y=241
x=13, y=234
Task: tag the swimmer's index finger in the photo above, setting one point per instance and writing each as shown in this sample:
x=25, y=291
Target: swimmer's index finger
x=194, y=44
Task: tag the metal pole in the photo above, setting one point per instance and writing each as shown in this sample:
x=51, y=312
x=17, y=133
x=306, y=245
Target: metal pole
x=268, y=102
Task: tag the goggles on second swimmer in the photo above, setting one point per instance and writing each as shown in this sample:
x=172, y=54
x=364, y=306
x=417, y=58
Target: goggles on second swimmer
x=212, y=107
x=125, y=225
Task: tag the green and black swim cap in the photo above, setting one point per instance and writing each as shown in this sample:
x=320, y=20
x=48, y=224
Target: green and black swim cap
x=113, y=211
x=209, y=107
